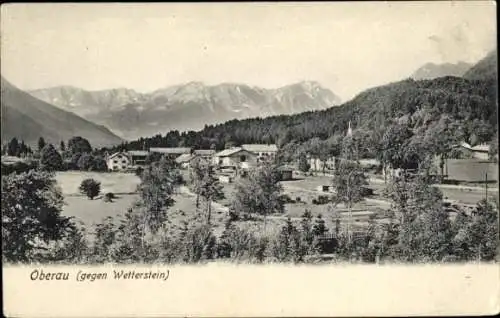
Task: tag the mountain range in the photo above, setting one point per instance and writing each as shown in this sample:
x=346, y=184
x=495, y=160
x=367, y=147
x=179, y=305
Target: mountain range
x=28, y=118
x=485, y=69
x=432, y=70
x=468, y=105
x=189, y=106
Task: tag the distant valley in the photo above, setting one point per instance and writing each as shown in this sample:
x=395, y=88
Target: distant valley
x=190, y=106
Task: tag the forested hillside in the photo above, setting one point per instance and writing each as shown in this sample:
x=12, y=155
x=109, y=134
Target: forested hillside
x=469, y=105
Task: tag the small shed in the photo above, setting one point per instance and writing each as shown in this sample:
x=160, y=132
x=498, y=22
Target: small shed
x=286, y=173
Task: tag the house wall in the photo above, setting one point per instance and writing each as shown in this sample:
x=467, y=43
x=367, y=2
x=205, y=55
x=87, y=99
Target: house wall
x=480, y=155
x=235, y=160
x=317, y=164
x=118, y=163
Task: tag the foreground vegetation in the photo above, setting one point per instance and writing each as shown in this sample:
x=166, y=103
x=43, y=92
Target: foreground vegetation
x=420, y=230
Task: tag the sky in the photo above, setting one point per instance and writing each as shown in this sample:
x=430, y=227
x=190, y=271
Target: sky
x=346, y=47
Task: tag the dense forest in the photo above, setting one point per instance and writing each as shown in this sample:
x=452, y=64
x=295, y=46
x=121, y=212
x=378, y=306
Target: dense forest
x=470, y=106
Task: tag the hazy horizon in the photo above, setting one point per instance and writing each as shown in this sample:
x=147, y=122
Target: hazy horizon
x=346, y=47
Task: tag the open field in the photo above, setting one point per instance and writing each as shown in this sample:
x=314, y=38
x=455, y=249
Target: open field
x=118, y=183
x=124, y=185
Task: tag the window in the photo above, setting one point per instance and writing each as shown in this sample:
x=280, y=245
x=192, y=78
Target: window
x=124, y=161
x=243, y=158
x=115, y=161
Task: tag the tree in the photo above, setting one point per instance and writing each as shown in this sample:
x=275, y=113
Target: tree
x=196, y=174
x=31, y=214
x=482, y=231
x=50, y=159
x=90, y=187
x=392, y=149
x=41, y=144
x=62, y=146
x=259, y=193
x=304, y=165
x=99, y=164
x=158, y=182
x=13, y=147
x=348, y=183
x=424, y=231
x=79, y=145
x=84, y=162
x=210, y=189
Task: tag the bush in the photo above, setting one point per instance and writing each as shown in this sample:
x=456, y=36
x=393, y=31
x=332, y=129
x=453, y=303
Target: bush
x=50, y=159
x=285, y=198
x=322, y=199
x=138, y=171
x=91, y=188
x=108, y=197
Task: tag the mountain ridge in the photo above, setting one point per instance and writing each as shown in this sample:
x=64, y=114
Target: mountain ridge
x=434, y=70
x=28, y=118
x=187, y=106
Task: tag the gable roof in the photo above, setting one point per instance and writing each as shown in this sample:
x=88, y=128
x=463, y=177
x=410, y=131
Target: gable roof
x=172, y=150
x=186, y=157
x=465, y=145
x=260, y=147
x=117, y=154
x=231, y=151
x=479, y=148
x=204, y=152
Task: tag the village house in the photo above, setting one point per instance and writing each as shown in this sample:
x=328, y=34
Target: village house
x=184, y=160
x=237, y=158
x=285, y=173
x=204, y=155
x=318, y=164
x=119, y=161
x=137, y=157
x=478, y=151
x=263, y=152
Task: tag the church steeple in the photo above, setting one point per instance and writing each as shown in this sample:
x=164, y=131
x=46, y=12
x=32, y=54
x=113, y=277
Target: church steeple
x=349, y=129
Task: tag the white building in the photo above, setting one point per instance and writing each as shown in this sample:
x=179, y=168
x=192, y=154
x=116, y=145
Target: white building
x=237, y=157
x=264, y=152
x=479, y=151
x=119, y=161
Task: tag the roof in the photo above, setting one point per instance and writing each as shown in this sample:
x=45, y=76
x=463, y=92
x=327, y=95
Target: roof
x=204, y=152
x=118, y=153
x=230, y=152
x=138, y=153
x=285, y=168
x=482, y=148
x=260, y=147
x=172, y=150
x=186, y=157
x=479, y=148
x=9, y=159
x=466, y=145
